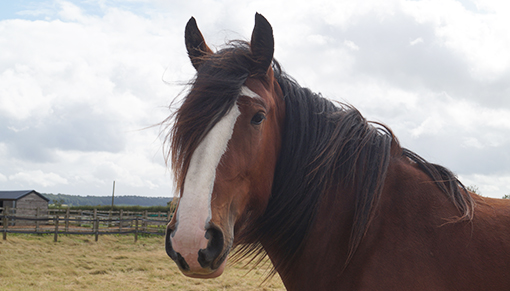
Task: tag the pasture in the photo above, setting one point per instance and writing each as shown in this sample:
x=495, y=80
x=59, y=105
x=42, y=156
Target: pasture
x=35, y=262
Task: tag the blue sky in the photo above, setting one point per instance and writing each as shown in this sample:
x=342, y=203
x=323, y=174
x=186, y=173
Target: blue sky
x=81, y=82
x=45, y=10
x=11, y=9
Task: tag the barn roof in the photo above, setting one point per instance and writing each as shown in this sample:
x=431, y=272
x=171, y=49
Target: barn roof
x=16, y=195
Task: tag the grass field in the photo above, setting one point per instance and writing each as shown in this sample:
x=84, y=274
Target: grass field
x=32, y=262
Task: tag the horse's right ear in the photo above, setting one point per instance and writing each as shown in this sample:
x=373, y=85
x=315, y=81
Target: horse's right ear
x=195, y=43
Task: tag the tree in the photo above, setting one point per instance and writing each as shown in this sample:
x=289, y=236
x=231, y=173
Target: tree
x=474, y=189
x=58, y=202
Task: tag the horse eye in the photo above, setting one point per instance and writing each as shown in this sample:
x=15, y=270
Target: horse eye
x=258, y=118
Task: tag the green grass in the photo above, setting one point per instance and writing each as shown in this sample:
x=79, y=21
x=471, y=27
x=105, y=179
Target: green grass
x=35, y=262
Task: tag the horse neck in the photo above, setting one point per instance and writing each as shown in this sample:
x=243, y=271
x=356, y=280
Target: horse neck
x=326, y=244
x=311, y=162
x=408, y=202
x=413, y=227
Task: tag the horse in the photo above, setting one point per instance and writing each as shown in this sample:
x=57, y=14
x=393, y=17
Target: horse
x=267, y=167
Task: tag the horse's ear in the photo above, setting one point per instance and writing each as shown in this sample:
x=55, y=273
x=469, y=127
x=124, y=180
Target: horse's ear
x=262, y=44
x=195, y=43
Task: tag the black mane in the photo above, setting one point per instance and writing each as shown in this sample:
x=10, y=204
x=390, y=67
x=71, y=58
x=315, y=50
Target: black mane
x=323, y=145
x=327, y=145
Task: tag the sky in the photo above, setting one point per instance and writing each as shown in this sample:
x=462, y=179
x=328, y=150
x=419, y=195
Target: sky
x=84, y=85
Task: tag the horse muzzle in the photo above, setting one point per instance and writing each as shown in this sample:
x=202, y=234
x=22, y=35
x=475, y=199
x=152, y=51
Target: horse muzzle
x=197, y=252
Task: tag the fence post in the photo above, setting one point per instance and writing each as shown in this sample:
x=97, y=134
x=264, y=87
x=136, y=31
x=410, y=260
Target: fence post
x=136, y=229
x=96, y=227
x=121, y=216
x=67, y=219
x=94, y=216
x=55, y=238
x=80, y=213
x=7, y=209
x=144, y=221
x=5, y=223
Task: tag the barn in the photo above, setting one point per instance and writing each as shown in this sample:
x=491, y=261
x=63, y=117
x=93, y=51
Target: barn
x=26, y=203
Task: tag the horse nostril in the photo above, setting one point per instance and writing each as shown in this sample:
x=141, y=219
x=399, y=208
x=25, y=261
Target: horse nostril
x=175, y=256
x=214, y=248
x=181, y=263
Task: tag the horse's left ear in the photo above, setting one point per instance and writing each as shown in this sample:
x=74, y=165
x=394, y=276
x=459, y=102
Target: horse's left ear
x=262, y=44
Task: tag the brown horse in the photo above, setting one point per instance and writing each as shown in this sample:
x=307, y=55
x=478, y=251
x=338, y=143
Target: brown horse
x=334, y=201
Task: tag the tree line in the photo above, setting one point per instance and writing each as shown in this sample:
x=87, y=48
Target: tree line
x=94, y=201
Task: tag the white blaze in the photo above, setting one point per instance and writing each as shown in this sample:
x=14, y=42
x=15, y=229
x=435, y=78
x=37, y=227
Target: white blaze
x=195, y=204
x=245, y=91
x=194, y=212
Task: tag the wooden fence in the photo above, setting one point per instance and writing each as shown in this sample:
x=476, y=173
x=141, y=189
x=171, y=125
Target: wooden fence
x=84, y=222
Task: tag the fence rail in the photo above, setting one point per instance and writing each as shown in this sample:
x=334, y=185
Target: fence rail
x=84, y=222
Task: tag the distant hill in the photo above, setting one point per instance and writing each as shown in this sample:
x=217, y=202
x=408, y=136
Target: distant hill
x=75, y=200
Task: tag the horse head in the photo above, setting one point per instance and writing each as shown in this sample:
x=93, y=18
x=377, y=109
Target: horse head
x=225, y=143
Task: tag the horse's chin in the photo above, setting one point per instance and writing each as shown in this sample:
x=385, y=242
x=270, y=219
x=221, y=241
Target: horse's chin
x=213, y=274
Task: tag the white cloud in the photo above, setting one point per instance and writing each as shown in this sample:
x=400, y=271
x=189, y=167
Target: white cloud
x=38, y=178
x=416, y=41
x=20, y=95
x=489, y=183
x=430, y=126
x=79, y=80
x=318, y=39
x=71, y=12
x=81, y=87
x=351, y=45
x=482, y=38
